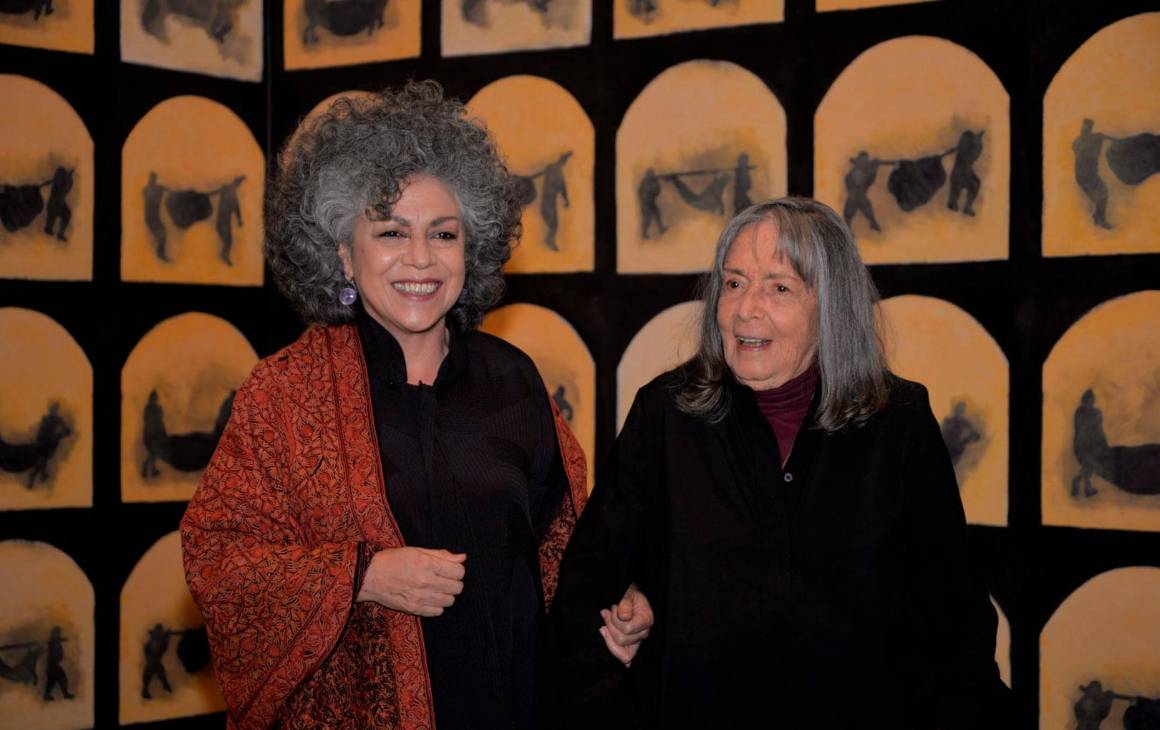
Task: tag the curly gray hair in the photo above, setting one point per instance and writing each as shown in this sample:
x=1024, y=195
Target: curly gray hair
x=355, y=157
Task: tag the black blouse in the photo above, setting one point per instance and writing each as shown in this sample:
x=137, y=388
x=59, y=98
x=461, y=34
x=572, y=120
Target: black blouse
x=471, y=465
x=835, y=592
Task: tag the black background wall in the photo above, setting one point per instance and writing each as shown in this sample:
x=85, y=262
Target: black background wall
x=1026, y=303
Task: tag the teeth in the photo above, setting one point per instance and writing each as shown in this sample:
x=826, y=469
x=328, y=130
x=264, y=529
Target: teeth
x=409, y=287
x=751, y=341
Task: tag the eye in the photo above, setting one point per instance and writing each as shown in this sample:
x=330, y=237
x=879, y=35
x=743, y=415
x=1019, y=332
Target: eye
x=447, y=236
x=391, y=233
x=732, y=284
x=781, y=289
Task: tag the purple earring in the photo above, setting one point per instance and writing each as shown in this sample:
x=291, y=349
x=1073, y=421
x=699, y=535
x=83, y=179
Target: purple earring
x=347, y=295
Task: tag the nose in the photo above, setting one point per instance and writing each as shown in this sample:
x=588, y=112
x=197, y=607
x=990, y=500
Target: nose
x=749, y=308
x=419, y=253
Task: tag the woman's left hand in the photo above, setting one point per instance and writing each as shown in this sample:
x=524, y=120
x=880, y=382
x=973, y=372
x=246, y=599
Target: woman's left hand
x=626, y=624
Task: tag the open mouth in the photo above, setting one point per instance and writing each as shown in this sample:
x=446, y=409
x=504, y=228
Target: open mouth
x=752, y=341
x=417, y=288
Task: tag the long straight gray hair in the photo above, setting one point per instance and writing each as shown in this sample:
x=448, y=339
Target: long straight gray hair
x=850, y=358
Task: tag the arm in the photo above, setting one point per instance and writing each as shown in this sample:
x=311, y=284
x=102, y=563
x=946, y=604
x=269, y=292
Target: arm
x=949, y=601
x=273, y=604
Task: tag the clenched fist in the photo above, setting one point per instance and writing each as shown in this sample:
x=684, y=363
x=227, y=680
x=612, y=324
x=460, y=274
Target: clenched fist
x=414, y=580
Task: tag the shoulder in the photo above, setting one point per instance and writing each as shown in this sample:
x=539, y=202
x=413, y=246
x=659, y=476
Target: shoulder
x=498, y=355
x=660, y=394
x=283, y=370
x=906, y=395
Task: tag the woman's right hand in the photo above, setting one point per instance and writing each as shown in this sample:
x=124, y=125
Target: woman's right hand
x=414, y=580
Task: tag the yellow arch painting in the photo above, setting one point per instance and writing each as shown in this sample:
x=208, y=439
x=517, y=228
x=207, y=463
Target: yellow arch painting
x=321, y=34
x=69, y=27
x=498, y=26
x=667, y=340
x=46, y=205
x=686, y=160
x=1099, y=648
x=1101, y=144
x=562, y=359
x=1101, y=419
x=162, y=636
x=913, y=146
x=640, y=18
x=46, y=414
x=47, y=613
x=548, y=140
x=192, y=179
x=219, y=39
x=177, y=387
x=965, y=371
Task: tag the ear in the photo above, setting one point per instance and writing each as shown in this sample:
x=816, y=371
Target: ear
x=344, y=255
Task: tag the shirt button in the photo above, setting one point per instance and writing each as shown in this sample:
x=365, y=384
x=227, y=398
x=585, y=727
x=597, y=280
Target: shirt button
x=788, y=477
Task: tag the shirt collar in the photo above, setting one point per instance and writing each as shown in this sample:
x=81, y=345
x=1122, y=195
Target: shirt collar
x=385, y=362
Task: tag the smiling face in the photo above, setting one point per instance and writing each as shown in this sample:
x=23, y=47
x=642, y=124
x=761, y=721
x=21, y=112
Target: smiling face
x=409, y=268
x=766, y=313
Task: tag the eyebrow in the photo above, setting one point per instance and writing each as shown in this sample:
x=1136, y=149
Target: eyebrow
x=437, y=222
x=767, y=277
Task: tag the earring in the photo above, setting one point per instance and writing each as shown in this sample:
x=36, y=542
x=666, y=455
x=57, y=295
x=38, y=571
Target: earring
x=347, y=295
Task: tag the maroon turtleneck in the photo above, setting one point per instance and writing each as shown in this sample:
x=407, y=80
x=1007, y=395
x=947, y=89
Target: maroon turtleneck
x=785, y=408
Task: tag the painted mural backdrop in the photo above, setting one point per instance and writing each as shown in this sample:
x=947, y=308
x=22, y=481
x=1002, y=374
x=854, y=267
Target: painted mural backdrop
x=46, y=185
x=165, y=659
x=1101, y=144
x=1101, y=418
x=686, y=161
x=548, y=142
x=177, y=390
x=965, y=372
x=563, y=361
x=215, y=37
x=46, y=639
x=496, y=26
x=321, y=33
x=192, y=179
x=46, y=414
x=1098, y=662
x=57, y=25
x=639, y=18
x=913, y=147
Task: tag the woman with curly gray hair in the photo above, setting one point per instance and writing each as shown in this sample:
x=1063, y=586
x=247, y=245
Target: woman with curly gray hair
x=378, y=534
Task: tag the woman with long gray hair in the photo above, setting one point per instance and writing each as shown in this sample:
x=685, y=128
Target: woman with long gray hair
x=377, y=535
x=790, y=509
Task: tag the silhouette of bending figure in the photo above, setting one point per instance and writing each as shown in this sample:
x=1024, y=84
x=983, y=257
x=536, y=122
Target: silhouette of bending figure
x=34, y=457
x=155, y=648
x=742, y=182
x=963, y=175
x=559, y=395
x=1087, y=171
x=54, y=675
x=153, y=194
x=958, y=432
x=185, y=451
x=710, y=200
x=228, y=208
x=553, y=187
x=863, y=172
x=57, y=209
x=646, y=194
x=1090, y=445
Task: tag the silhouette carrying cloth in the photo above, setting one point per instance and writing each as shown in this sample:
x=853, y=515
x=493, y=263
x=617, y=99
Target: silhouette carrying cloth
x=1134, y=469
x=275, y=571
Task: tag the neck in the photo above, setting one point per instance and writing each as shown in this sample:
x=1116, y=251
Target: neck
x=422, y=351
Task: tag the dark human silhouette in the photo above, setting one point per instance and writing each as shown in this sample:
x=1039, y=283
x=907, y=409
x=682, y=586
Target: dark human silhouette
x=1093, y=707
x=155, y=647
x=553, y=187
x=38, y=8
x=57, y=211
x=958, y=432
x=1134, y=469
x=228, y=209
x=863, y=172
x=742, y=182
x=24, y=670
x=1134, y=159
x=1087, y=148
x=54, y=675
x=34, y=457
x=650, y=212
x=216, y=17
x=710, y=199
x=641, y=8
x=342, y=17
x=473, y=12
x=184, y=452
x=963, y=176
x=153, y=194
x=560, y=397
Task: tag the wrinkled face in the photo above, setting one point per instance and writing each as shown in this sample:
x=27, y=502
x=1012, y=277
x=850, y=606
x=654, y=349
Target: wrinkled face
x=767, y=314
x=409, y=268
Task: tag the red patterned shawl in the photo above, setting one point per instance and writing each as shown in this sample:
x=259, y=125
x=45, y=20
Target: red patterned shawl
x=272, y=541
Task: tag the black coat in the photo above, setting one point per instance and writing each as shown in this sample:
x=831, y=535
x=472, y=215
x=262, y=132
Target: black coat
x=835, y=592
